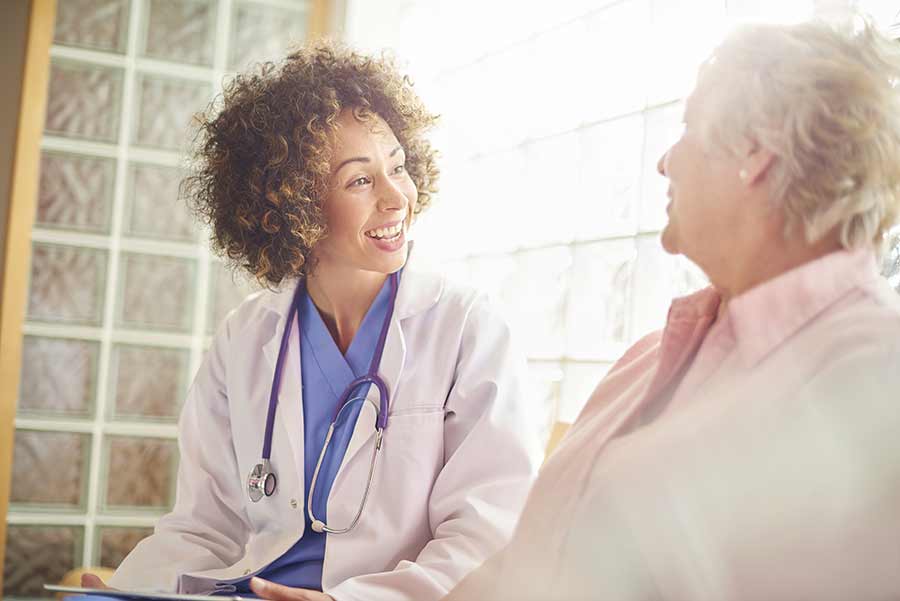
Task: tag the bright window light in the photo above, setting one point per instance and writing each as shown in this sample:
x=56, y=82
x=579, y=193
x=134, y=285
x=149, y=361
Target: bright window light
x=553, y=117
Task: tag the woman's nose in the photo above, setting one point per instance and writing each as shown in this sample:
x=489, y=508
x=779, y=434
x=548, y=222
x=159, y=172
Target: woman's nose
x=661, y=163
x=392, y=197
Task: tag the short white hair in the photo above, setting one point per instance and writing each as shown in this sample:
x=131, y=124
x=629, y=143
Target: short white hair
x=825, y=101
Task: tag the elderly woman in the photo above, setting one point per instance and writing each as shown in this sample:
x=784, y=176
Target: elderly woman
x=359, y=431
x=750, y=450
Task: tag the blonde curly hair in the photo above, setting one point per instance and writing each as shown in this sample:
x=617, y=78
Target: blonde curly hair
x=262, y=162
x=824, y=100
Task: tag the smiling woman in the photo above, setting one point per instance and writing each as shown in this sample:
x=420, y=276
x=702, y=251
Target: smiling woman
x=370, y=201
x=266, y=157
x=397, y=445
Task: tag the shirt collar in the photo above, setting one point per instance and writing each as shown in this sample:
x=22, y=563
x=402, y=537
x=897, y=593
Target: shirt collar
x=688, y=322
x=767, y=315
x=688, y=309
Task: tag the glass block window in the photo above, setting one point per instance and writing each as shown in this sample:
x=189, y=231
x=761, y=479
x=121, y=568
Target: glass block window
x=67, y=284
x=50, y=469
x=260, y=30
x=148, y=382
x=154, y=209
x=164, y=106
x=59, y=376
x=96, y=24
x=76, y=192
x=553, y=118
x=156, y=293
x=84, y=100
x=114, y=543
x=180, y=31
x=39, y=554
x=123, y=294
x=140, y=474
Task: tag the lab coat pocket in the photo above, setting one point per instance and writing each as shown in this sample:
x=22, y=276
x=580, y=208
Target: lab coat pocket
x=408, y=463
x=414, y=447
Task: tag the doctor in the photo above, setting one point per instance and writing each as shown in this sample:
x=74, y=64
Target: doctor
x=310, y=176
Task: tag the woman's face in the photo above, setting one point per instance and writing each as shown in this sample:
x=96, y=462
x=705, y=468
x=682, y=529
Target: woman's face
x=370, y=200
x=704, y=192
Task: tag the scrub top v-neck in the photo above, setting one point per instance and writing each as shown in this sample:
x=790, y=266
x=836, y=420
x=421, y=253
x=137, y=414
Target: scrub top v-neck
x=326, y=373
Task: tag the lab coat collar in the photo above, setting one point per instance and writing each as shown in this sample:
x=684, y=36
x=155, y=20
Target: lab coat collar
x=419, y=291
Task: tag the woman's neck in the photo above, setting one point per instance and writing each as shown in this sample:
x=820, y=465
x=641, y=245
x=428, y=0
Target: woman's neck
x=343, y=297
x=767, y=262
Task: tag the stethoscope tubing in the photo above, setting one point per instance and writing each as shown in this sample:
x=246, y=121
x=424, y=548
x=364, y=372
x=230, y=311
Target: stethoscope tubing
x=319, y=525
x=279, y=366
x=263, y=472
x=370, y=377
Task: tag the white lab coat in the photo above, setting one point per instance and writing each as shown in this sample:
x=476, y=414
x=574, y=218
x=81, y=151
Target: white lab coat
x=460, y=452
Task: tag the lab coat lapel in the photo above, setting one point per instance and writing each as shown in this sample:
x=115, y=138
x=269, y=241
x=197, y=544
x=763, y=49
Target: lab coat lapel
x=419, y=291
x=392, y=362
x=289, y=414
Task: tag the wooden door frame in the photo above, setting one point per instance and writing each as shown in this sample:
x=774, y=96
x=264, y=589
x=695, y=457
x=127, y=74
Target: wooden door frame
x=21, y=197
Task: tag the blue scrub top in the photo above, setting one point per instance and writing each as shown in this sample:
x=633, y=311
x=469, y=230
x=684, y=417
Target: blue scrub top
x=326, y=373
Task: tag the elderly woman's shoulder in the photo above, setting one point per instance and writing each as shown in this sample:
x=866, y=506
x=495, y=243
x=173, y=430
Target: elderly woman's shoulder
x=866, y=318
x=860, y=337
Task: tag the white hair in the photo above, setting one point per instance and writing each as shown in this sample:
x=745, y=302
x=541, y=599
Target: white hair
x=825, y=101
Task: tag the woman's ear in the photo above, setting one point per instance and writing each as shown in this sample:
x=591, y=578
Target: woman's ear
x=755, y=165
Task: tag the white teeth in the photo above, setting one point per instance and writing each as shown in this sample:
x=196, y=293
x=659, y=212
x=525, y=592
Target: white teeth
x=386, y=232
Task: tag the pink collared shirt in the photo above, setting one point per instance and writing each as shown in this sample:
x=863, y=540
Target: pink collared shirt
x=754, y=456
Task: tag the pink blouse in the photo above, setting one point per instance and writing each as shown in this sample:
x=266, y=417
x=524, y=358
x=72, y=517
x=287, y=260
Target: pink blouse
x=756, y=456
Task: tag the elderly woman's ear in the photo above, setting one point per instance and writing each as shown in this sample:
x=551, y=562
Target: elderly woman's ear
x=755, y=165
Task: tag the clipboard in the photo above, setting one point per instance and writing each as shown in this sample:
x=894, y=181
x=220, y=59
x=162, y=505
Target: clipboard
x=143, y=596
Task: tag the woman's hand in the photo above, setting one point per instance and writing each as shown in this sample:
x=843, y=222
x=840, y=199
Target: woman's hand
x=92, y=581
x=279, y=592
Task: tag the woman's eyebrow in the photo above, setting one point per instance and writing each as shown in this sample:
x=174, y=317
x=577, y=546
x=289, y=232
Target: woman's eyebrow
x=352, y=160
x=364, y=159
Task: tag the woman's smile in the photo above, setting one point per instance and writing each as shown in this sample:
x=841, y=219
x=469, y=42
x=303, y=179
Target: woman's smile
x=389, y=239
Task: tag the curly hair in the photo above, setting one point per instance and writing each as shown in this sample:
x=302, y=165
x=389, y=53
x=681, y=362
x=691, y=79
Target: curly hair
x=262, y=160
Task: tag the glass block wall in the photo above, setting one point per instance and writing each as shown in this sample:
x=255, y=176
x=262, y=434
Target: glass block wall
x=124, y=294
x=553, y=117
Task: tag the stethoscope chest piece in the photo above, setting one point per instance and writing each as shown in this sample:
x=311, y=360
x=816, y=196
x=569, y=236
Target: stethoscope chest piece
x=261, y=481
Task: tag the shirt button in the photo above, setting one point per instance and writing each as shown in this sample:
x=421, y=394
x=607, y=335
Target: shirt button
x=294, y=503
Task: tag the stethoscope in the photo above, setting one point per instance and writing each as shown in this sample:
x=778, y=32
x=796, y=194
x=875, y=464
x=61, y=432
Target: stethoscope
x=262, y=481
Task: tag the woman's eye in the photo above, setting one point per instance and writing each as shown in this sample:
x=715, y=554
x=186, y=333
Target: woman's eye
x=360, y=181
x=399, y=169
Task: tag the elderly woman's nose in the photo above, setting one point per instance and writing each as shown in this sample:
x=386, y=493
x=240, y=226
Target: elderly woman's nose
x=661, y=163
